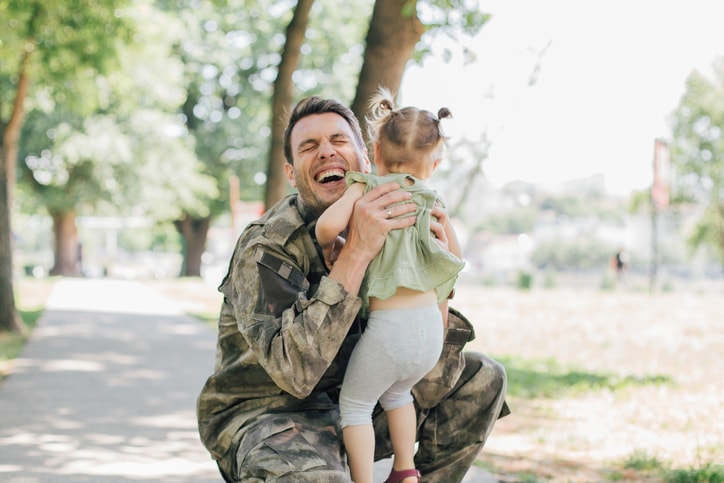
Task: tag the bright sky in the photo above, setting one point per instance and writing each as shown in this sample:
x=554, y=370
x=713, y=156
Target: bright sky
x=610, y=74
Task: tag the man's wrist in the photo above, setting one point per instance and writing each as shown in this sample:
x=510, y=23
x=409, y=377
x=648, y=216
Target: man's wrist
x=349, y=270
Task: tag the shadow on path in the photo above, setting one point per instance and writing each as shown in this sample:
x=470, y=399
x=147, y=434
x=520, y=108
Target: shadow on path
x=107, y=395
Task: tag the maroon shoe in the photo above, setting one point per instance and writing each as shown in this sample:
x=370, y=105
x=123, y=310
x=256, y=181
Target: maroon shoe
x=398, y=476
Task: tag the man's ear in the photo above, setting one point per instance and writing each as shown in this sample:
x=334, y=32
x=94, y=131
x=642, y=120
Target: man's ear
x=289, y=171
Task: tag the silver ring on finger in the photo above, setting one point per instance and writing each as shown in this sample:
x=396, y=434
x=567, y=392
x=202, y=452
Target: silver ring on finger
x=389, y=213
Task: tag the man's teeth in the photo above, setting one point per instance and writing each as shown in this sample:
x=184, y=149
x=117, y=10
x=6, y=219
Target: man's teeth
x=331, y=175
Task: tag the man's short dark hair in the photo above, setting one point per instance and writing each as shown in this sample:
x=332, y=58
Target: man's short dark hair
x=317, y=105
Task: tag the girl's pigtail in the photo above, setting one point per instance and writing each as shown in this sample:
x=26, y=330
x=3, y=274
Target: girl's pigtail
x=444, y=113
x=381, y=103
x=381, y=107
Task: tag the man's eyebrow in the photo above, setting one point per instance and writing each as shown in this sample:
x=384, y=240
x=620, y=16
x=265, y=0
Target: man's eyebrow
x=308, y=142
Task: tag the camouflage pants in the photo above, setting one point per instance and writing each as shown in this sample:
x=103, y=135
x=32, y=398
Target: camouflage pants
x=307, y=447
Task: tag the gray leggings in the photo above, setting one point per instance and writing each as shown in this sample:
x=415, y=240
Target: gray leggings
x=398, y=347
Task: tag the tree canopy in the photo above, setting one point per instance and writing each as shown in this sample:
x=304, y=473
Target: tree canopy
x=697, y=155
x=151, y=106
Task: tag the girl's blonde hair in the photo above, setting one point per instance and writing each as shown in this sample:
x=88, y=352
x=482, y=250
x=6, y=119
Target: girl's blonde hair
x=409, y=136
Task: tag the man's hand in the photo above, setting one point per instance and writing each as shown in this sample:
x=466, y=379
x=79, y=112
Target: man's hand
x=438, y=221
x=375, y=214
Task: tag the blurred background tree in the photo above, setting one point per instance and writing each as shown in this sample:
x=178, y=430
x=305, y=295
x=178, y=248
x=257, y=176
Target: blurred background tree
x=48, y=44
x=697, y=157
x=127, y=154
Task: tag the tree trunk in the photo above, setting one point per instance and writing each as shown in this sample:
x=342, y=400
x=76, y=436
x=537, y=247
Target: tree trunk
x=66, y=246
x=194, y=232
x=9, y=319
x=281, y=101
x=391, y=41
x=9, y=135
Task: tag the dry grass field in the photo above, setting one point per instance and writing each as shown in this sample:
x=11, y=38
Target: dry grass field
x=602, y=379
x=603, y=386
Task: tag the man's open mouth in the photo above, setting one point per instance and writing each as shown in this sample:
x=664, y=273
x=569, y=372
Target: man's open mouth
x=330, y=175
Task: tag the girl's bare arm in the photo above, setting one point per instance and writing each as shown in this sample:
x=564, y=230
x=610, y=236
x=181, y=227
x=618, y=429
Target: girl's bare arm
x=335, y=219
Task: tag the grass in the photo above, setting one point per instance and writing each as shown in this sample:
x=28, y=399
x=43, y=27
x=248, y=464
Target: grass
x=30, y=297
x=12, y=344
x=530, y=379
x=708, y=473
x=642, y=466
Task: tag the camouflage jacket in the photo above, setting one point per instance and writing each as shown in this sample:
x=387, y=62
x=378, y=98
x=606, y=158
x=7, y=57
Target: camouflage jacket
x=286, y=331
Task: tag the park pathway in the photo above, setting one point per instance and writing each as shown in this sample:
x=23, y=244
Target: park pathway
x=105, y=390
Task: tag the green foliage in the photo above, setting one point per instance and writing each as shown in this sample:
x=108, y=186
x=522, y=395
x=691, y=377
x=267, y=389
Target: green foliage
x=697, y=155
x=147, y=107
x=640, y=201
x=126, y=152
x=11, y=344
x=453, y=15
x=650, y=468
x=581, y=253
x=513, y=222
x=525, y=281
x=230, y=52
x=447, y=18
x=73, y=163
x=67, y=41
x=707, y=473
x=547, y=378
x=641, y=461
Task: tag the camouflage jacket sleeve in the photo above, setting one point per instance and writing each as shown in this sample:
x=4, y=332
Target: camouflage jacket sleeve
x=444, y=376
x=292, y=316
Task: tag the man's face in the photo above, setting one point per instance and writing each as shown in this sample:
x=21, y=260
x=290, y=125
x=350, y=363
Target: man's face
x=324, y=149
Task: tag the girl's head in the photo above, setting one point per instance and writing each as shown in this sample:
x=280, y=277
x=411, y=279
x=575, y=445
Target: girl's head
x=407, y=140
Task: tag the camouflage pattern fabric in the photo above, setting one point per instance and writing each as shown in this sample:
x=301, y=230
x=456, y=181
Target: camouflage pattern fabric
x=285, y=334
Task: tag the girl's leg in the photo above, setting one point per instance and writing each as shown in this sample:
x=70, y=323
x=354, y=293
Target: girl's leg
x=369, y=373
x=402, y=424
x=359, y=441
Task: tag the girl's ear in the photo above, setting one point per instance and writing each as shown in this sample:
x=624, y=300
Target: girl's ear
x=435, y=164
x=378, y=150
x=367, y=163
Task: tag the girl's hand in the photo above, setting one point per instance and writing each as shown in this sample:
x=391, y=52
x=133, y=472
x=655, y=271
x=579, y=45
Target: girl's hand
x=331, y=253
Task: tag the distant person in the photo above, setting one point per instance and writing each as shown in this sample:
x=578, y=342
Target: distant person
x=401, y=290
x=79, y=260
x=618, y=263
x=288, y=324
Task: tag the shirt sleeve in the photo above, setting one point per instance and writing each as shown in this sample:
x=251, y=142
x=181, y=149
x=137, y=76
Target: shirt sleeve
x=294, y=327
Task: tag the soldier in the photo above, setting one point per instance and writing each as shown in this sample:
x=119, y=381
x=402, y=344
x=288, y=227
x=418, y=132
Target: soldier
x=288, y=324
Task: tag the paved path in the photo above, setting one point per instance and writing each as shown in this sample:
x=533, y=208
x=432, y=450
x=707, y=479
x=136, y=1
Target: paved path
x=105, y=391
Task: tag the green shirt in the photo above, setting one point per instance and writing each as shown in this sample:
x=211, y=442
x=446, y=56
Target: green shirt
x=410, y=257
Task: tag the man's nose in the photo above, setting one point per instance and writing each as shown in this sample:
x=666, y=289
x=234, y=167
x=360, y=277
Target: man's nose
x=326, y=150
